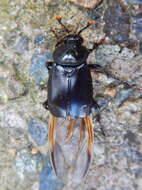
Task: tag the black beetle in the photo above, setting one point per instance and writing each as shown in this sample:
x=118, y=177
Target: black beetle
x=70, y=100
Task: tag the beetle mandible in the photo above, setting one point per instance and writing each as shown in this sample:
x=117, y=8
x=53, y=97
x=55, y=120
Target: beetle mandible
x=70, y=101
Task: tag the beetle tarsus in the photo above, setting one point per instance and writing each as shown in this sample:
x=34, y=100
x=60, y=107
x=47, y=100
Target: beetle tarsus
x=96, y=67
x=45, y=104
x=98, y=116
x=97, y=44
x=100, y=69
x=49, y=65
x=43, y=86
x=102, y=129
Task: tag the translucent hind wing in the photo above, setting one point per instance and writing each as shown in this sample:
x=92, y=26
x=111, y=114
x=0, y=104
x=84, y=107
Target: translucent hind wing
x=70, y=147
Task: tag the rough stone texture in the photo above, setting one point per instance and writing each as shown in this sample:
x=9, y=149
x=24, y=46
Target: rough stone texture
x=38, y=68
x=48, y=180
x=86, y=3
x=26, y=43
x=128, y=70
x=38, y=131
x=117, y=26
x=27, y=165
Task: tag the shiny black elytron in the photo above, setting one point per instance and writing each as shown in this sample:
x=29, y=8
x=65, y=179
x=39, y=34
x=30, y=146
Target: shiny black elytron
x=70, y=101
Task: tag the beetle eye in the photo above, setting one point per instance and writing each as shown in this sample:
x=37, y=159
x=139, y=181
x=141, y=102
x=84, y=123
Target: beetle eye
x=80, y=41
x=73, y=39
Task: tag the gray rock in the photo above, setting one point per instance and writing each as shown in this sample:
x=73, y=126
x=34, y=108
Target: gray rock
x=38, y=69
x=14, y=88
x=38, y=131
x=48, y=180
x=117, y=23
x=27, y=165
x=9, y=117
x=21, y=44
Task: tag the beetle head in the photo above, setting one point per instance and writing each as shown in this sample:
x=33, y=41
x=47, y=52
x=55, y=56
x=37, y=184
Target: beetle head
x=73, y=39
x=69, y=50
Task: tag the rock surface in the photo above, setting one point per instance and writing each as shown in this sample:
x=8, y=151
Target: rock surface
x=86, y=3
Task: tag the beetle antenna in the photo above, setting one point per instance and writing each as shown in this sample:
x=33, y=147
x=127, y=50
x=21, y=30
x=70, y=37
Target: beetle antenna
x=88, y=24
x=60, y=22
x=54, y=33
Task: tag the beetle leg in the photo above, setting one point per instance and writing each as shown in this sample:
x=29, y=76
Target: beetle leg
x=96, y=67
x=100, y=69
x=45, y=104
x=49, y=65
x=43, y=86
x=98, y=115
x=97, y=44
